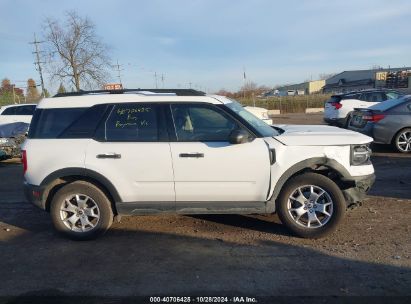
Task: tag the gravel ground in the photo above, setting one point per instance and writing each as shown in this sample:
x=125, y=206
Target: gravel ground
x=370, y=253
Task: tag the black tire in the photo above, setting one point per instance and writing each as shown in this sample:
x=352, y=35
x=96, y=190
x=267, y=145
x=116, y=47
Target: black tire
x=334, y=195
x=96, y=197
x=347, y=121
x=397, y=139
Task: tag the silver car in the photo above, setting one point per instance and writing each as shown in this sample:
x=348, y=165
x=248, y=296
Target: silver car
x=388, y=122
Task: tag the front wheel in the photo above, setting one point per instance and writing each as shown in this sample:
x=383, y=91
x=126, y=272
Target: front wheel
x=311, y=205
x=81, y=211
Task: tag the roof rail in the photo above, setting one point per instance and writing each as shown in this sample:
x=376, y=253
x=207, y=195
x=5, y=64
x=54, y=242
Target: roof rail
x=178, y=92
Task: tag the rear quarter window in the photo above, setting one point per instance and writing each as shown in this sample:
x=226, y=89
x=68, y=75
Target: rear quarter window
x=50, y=123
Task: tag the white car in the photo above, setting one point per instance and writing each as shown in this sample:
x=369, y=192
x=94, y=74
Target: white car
x=92, y=156
x=17, y=113
x=338, y=109
x=261, y=113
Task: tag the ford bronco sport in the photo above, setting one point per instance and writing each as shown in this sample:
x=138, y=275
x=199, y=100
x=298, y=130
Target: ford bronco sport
x=94, y=155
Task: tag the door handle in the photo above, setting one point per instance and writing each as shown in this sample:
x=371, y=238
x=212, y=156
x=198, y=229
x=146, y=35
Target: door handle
x=194, y=155
x=109, y=155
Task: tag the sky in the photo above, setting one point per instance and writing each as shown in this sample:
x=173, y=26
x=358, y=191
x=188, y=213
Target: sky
x=208, y=44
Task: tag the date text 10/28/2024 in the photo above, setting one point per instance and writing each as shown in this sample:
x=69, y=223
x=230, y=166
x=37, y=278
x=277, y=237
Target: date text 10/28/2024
x=240, y=299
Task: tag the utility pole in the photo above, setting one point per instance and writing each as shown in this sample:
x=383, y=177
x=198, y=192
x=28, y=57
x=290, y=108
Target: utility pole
x=118, y=67
x=38, y=62
x=162, y=80
x=155, y=79
x=245, y=81
x=14, y=94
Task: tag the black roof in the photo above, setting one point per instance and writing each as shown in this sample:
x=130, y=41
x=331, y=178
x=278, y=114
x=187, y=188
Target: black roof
x=178, y=92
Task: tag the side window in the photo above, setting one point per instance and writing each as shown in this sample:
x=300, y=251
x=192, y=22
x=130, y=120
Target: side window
x=376, y=97
x=86, y=125
x=366, y=97
x=9, y=111
x=132, y=122
x=25, y=110
x=391, y=95
x=201, y=123
x=50, y=123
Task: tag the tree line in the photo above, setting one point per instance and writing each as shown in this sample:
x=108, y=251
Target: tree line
x=9, y=93
x=248, y=90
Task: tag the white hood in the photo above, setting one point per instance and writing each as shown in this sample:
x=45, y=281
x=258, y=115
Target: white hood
x=318, y=135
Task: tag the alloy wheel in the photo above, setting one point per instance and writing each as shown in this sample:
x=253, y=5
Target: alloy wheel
x=79, y=213
x=310, y=206
x=404, y=141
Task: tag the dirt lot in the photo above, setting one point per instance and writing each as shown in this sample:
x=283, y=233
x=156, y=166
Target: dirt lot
x=215, y=255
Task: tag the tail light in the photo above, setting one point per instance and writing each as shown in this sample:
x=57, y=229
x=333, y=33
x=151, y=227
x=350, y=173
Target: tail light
x=373, y=117
x=24, y=160
x=336, y=105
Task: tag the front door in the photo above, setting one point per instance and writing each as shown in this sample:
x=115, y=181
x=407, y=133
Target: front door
x=207, y=168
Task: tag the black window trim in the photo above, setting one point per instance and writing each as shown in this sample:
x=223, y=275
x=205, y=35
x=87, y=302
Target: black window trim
x=63, y=134
x=219, y=108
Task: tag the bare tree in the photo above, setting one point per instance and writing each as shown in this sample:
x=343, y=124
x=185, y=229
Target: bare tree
x=75, y=52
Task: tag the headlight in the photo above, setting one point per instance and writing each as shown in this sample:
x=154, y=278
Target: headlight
x=360, y=155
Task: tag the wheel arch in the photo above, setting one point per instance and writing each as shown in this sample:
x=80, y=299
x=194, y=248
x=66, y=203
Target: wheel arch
x=57, y=179
x=397, y=132
x=322, y=165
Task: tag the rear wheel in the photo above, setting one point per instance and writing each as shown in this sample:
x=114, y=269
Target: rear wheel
x=81, y=211
x=402, y=141
x=311, y=205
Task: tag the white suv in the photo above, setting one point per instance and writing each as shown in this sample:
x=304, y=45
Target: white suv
x=17, y=113
x=92, y=156
x=338, y=109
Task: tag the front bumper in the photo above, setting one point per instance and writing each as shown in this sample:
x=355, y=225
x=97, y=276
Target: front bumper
x=35, y=195
x=358, y=188
x=366, y=130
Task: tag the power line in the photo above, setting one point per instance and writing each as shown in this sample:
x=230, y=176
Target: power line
x=38, y=63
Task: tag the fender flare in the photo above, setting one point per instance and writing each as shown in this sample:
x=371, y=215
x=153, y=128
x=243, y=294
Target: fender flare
x=83, y=172
x=308, y=164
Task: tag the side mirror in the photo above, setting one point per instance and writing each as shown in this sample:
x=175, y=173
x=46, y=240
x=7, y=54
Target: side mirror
x=239, y=137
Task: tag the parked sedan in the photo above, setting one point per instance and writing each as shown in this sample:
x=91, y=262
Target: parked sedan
x=17, y=113
x=388, y=122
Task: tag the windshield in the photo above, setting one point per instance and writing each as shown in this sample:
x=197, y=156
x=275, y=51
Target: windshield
x=263, y=128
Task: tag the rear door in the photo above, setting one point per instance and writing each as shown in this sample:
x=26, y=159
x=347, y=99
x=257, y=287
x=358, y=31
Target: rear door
x=207, y=168
x=132, y=151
